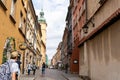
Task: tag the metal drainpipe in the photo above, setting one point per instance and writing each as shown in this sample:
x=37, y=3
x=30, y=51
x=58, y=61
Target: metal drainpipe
x=25, y=39
x=86, y=5
x=86, y=10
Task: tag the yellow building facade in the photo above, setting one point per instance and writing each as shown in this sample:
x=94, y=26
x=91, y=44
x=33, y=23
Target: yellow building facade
x=12, y=26
x=18, y=26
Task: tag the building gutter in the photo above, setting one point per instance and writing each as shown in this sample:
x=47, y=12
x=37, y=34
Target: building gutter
x=86, y=10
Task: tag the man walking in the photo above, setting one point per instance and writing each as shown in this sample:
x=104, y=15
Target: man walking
x=29, y=68
x=14, y=68
x=34, y=68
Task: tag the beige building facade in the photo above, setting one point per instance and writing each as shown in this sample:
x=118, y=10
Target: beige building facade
x=33, y=37
x=99, y=47
x=43, y=53
x=53, y=61
x=43, y=25
x=30, y=31
x=57, y=57
x=64, y=55
x=38, y=45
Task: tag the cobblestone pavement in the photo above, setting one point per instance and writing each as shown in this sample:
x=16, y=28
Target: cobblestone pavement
x=26, y=77
x=51, y=74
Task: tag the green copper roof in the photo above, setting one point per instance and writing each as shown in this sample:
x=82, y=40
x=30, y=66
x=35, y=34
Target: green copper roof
x=46, y=59
x=42, y=19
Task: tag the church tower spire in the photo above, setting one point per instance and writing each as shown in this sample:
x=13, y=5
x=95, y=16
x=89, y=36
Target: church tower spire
x=43, y=25
x=42, y=19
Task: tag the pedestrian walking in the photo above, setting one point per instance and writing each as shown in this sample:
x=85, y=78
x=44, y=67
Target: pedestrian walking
x=18, y=61
x=34, y=68
x=43, y=69
x=19, y=64
x=29, y=68
x=10, y=67
x=14, y=67
x=66, y=68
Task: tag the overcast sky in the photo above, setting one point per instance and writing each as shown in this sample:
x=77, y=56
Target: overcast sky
x=55, y=15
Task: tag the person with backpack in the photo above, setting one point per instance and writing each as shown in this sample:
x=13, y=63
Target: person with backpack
x=9, y=70
x=15, y=71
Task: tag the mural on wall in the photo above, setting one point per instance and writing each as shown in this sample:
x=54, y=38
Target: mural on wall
x=8, y=48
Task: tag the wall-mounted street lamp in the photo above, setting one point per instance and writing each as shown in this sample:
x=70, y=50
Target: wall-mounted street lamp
x=30, y=44
x=85, y=29
x=23, y=46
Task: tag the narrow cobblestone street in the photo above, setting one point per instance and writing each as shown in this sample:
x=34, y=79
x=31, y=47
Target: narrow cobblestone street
x=65, y=39
x=51, y=74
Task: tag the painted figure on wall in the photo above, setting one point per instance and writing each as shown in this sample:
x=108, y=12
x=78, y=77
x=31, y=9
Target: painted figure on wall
x=8, y=48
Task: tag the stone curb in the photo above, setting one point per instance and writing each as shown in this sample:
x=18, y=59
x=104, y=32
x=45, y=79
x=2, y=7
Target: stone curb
x=64, y=76
x=70, y=78
x=23, y=77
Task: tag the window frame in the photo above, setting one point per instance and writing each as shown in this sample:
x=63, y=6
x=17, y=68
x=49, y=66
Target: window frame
x=12, y=11
x=3, y=4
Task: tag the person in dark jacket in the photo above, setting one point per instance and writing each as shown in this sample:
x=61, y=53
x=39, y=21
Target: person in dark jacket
x=18, y=61
x=34, y=68
x=43, y=69
x=66, y=68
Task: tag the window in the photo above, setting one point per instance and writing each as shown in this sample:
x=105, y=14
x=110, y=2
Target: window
x=21, y=21
x=12, y=13
x=75, y=2
x=22, y=2
x=102, y=1
x=13, y=8
x=25, y=3
x=3, y=2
